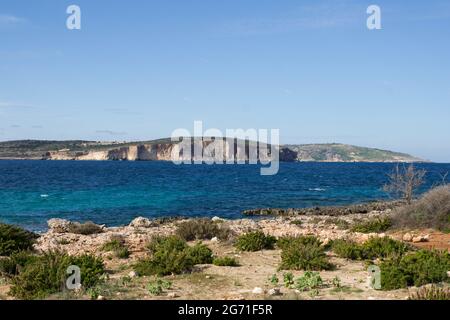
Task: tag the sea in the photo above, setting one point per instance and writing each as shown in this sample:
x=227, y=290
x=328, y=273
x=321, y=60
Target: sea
x=113, y=193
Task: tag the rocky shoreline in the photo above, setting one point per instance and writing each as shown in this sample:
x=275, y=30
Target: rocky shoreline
x=378, y=206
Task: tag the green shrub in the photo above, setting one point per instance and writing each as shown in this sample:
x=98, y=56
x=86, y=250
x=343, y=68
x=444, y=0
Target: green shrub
x=373, y=225
x=296, y=222
x=14, y=239
x=225, y=262
x=172, y=255
x=432, y=210
x=431, y=293
x=309, y=281
x=10, y=266
x=200, y=254
x=46, y=274
x=288, y=279
x=418, y=268
x=157, y=287
x=284, y=242
x=118, y=247
x=255, y=241
x=202, y=229
x=274, y=280
x=86, y=228
x=373, y=248
x=168, y=255
x=299, y=256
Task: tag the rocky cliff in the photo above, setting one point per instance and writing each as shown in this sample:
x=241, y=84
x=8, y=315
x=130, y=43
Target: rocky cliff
x=163, y=149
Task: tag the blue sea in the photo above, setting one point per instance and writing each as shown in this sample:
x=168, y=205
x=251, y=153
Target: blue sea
x=113, y=193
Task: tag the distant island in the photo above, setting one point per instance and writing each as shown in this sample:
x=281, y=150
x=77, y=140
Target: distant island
x=160, y=150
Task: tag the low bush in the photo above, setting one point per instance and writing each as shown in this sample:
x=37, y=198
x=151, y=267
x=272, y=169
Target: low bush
x=255, y=241
x=225, y=262
x=431, y=293
x=284, y=242
x=309, y=281
x=297, y=255
x=118, y=247
x=10, y=266
x=418, y=268
x=202, y=229
x=432, y=210
x=373, y=225
x=172, y=255
x=200, y=254
x=157, y=287
x=14, y=239
x=46, y=274
x=376, y=247
x=86, y=228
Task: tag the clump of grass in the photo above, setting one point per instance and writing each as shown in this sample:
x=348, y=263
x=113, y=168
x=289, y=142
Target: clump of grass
x=118, y=247
x=288, y=279
x=14, y=239
x=432, y=292
x=418, y=268
x=303, y=253
x=43, y=275
x=172, y=255
x=309, y=281
x=202, y=229
x=382, y=248
x=374, y=225
x=10, y=266
x=340, y=223
x=86, y=228
x=296, y=222
x=255, y=241
x=432, y=210
x=225, y=262
x=158, y=286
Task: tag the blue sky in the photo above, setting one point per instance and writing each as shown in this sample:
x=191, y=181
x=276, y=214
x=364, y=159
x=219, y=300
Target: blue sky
x=140, y=69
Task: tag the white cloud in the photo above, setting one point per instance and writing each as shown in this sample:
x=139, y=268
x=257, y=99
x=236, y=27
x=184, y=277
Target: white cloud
x=8, y=19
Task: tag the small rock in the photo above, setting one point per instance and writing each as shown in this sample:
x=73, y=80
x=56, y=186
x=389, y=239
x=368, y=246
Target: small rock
x=258, y=290
x=133, y=274
x=101, y=298
x=419, y=239
x=208, y=277
x=407, y=237
x=382, y=235
x=172, y=295
x=141, y=222
x=274, y=292
x=217, y=219
x=371, y=298
x=448, y=274
x=215, y=239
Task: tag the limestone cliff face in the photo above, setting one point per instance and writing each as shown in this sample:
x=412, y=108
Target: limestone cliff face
x=200, y=150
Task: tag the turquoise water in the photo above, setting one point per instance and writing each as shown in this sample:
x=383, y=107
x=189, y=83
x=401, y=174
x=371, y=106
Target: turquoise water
x=113, y=193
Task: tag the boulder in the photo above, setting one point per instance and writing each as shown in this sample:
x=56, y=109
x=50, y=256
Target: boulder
x=258, y=290
x=141, y=222
x=420, y=238
x=59, y=225
x=274, y=292
x=407, y=237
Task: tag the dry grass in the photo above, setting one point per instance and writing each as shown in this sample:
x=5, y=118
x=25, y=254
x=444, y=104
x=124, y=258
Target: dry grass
x=432, y=210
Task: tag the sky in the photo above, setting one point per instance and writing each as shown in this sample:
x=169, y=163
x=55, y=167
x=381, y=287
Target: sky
x=138, y=70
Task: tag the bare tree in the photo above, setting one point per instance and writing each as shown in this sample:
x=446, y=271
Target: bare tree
x=404, y=181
